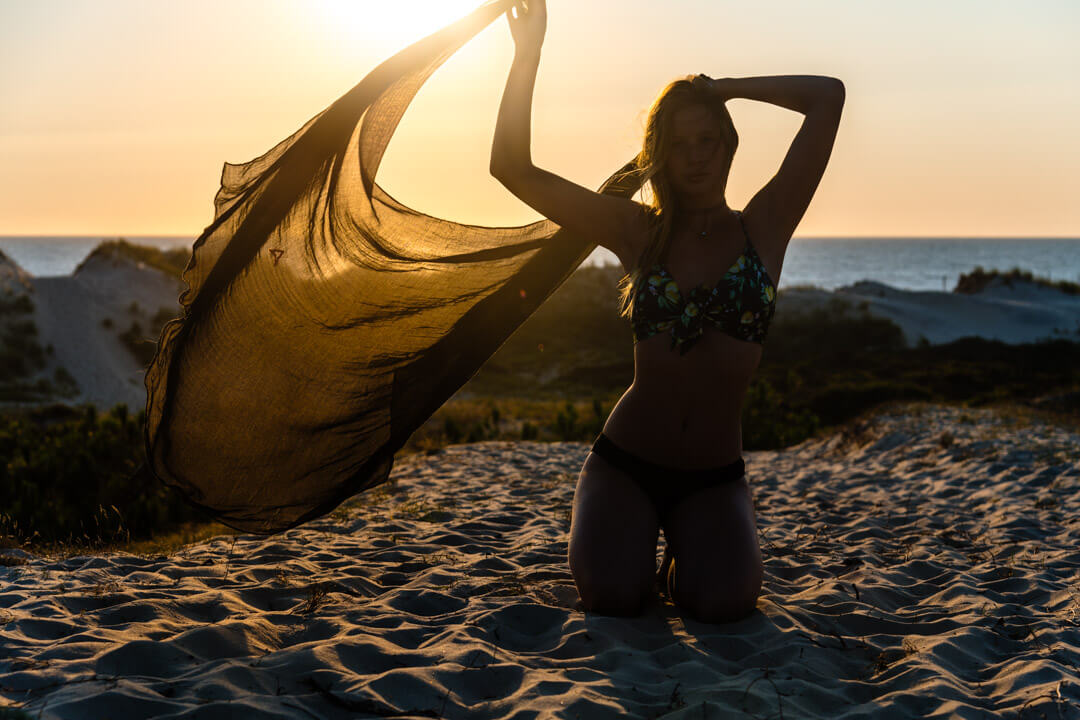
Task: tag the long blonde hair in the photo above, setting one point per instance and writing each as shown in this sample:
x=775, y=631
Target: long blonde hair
x=650, y=164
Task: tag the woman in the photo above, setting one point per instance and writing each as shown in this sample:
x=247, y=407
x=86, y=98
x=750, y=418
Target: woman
x=670, y=452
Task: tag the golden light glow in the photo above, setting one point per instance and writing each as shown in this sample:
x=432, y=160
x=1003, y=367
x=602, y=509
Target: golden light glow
x=397, y=22
x=101, y=117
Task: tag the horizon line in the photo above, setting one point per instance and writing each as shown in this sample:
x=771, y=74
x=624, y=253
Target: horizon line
x=123, y=236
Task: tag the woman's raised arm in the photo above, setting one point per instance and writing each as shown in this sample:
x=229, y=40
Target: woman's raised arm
x=603, y=219
x=800, y=93
x=778, y=207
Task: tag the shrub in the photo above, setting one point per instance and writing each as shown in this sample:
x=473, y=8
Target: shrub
x=452, y=430
x=172, y=262
x=578, y=330
x=825, y=333
x=74, y=477
x=66, y=385
x=138, y=345
x=566, y=423
x=598, y=419
x=841, y=401
x=20, y=353
x=162, y=316
x=10, y=304
x=978, y=279
x=478, y=432
x=769, y=422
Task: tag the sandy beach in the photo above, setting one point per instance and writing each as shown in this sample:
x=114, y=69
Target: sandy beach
x=921, y=562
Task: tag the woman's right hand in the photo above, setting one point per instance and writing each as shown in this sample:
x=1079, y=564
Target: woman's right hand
x=529, y=25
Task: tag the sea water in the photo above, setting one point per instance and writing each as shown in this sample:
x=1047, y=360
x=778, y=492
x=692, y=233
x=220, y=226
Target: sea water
x=51, y=256
x=917, y=263
x=908, y=263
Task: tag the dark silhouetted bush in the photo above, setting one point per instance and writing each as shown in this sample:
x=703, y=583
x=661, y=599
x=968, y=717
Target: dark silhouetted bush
x=171, y=262
x=529, y=431
x=70, y=478
x=12, y=304
x=142, y=347
x=65, y=383
x=978, y=279
x=768, y=420
x=20, y=353
x=566, y=423
x=828, y=333
x=162, y=316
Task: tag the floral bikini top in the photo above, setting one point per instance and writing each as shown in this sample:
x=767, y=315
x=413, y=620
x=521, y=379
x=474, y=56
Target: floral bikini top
x=741, y=304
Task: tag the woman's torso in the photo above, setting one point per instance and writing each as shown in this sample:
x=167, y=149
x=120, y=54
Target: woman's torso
x=685, y=410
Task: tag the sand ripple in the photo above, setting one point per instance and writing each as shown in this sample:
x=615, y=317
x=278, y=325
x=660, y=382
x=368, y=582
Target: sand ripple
x=920, y=563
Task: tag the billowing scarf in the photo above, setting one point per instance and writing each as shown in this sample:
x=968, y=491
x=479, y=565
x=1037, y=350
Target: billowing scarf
x=324, y=322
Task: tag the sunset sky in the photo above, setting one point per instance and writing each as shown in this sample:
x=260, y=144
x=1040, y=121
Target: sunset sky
x=961, y=118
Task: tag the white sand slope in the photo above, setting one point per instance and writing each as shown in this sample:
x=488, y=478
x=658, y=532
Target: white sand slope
x=69, y=311
x=918, y=564
x=1015, y=312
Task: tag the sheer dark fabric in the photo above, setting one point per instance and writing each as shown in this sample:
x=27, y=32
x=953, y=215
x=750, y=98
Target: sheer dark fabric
x=324, y=321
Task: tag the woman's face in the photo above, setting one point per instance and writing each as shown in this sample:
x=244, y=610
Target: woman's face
x=697, y=163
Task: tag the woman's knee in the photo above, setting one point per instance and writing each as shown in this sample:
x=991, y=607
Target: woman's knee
x=714, y=602
x=620, y=600
x=723, y=610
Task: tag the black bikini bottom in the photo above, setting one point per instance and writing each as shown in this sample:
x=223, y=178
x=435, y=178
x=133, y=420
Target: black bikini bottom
x=665, y=485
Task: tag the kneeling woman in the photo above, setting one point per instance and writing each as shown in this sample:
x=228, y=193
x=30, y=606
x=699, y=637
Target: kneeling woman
x=700, y=292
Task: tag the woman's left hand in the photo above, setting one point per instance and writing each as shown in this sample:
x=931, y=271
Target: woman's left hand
x=528, y=23
x=721, y=86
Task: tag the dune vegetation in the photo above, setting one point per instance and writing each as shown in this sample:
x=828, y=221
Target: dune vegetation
x=22, y=358
x=68, y=481
x=978, y=279
x=171, y=262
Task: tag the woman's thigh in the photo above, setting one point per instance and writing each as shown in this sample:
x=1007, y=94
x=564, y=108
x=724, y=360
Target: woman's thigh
x=613, y=536
x=717, y=559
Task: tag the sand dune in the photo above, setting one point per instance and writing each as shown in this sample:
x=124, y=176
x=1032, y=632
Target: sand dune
x=1011, y=312
x=69, y=312
x=920, y=563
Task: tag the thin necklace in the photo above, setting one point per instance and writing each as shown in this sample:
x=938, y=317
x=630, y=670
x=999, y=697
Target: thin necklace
x=708, y=223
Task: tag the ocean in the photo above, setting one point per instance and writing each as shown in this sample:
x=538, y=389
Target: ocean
x=908, y=263
x=918, y=263
x=43, y=256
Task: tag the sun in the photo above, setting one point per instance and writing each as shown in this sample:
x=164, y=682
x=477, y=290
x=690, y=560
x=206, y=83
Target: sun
x=396, y=23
